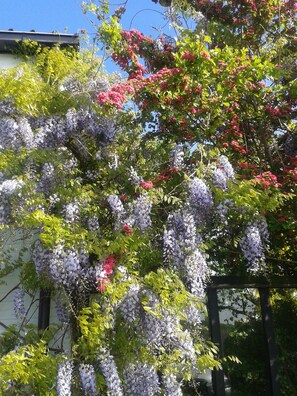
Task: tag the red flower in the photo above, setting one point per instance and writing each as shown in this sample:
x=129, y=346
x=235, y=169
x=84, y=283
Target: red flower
x=109, y=265
x=108, y=269
x=205, y=55
x=267, y=179
x=101, y=284
x=127, y=229
x=243, y=165
x=188, y=56
x=146, y=184
x=188, y=136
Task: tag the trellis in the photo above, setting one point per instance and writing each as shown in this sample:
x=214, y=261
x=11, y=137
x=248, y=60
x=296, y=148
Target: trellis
x=263, y=285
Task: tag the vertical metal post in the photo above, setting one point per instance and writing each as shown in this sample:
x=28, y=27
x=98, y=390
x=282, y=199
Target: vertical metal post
x=215, y=334
x=44, y=309
x=266, y=313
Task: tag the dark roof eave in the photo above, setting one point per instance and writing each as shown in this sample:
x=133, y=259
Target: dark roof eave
x=10, y=39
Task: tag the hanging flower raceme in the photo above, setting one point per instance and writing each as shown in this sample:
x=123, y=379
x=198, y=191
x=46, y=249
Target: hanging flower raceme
x=222, y=173
x=196, y=272
x=130, y=306
x=62, y=311
x=181, y=251
x=141, y=379
x=88, y=379
x=142, y=211
x=15, y=134
x=219, y=179
x=64, y=378
x=200, y=200
x=117, y=209
x=70, y=269
x=177, y=154
x=156, y=327
x=171, y=385
x=253, y=245
x=8, y=188
x=19, y=303
x=110, y=372
x=134, y=177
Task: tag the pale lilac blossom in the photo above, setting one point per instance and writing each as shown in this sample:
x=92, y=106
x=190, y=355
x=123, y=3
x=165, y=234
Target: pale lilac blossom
x=171, y=385
x=19, y=303
x=142, y=212
x=200, y=200
x=141, y=379
x=110, y=372
x=64, y=378
x=88, y=379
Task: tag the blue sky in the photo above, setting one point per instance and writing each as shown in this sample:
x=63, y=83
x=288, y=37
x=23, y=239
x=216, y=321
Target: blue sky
x=66, y=15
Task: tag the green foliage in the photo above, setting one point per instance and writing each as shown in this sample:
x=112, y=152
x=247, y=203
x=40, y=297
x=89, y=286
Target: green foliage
x=213, y=92
x=28, y=370
x=43, y=81
x=254, y=199
x=19, y=84
x=245, y=339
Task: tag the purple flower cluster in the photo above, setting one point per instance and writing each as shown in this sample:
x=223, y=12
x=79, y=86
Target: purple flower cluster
x=180, y=246
x=171, y=385
x=223, y=209
x=195, y=272
x=64, y=378
x=110, y=373
x=253, y=244
x=220, y=179
x=48, y=179
x=19, y=303
x=53, y=131
x=71, y=211
x=224, y=164
x=130, y=306
x=70, y=269
x=141, y=379
x=7, y=108
x=101, y=128
x=180, y=237
x=200, y=200
x=41, y=257
x=142, y=211
x=15, y=134
x=93, y=224
x=8, y=188
x=177, y=156
x=134, y=178
x=62, y=311
x=155, y=326
x=66, y=267
x=222, y=173
x=88, y=379
x=118, y=210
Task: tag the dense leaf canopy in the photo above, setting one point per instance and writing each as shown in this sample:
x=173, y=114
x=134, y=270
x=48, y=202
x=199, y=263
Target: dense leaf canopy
x=130, y=192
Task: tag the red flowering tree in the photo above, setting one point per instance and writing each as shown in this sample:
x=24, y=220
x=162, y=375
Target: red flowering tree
x=229, y=84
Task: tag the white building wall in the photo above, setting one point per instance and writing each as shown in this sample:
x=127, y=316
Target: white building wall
x=11, y=245
x=8, y=60
x=15, y=247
